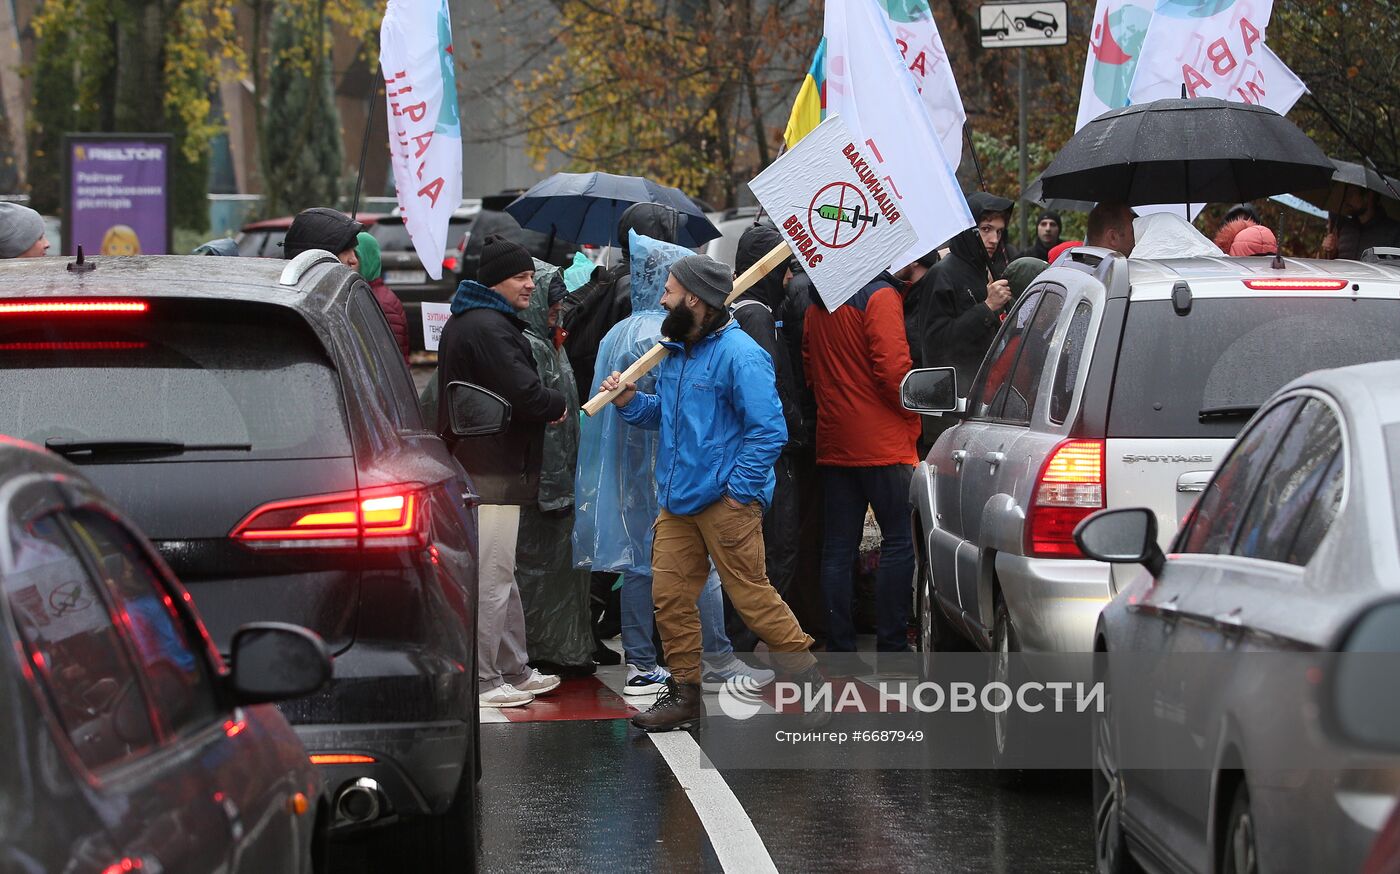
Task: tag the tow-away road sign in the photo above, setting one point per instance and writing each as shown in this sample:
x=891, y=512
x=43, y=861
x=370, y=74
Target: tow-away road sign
x=1017, y=25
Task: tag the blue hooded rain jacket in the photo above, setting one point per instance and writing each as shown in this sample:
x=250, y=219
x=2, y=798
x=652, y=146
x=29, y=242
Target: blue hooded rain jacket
x=721, y=422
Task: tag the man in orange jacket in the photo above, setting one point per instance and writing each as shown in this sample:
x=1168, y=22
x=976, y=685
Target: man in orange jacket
x=855, y=359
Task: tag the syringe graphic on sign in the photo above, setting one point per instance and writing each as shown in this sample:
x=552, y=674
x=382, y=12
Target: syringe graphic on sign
x=850, y=216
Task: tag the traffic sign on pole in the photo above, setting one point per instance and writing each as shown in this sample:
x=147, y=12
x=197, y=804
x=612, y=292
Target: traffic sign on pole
x=1018, y=25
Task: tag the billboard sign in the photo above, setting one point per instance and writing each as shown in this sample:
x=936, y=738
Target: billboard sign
x=117, y=194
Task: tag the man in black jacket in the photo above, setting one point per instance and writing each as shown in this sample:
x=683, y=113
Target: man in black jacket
x=1047, y=236
x=590, y=311
x=758, y=313
x=964, y=295
x=484, y=343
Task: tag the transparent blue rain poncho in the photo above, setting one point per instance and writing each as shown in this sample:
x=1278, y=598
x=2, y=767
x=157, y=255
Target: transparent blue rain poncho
x=615, y=491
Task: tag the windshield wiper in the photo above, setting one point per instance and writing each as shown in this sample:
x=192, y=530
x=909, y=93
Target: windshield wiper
x=1239, y=411
x=67, y=447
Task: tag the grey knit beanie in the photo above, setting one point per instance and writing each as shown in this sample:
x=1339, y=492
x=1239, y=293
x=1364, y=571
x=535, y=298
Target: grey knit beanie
x=20, y=228
x=705, y=278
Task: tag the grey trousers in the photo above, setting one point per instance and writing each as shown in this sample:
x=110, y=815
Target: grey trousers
x=500, y=632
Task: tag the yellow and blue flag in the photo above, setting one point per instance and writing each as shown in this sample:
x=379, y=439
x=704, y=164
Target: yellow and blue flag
x=809, y=109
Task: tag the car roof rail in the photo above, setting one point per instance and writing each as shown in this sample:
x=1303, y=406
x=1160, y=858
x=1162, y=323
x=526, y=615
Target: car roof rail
x=299, y=266
x=1380, y=254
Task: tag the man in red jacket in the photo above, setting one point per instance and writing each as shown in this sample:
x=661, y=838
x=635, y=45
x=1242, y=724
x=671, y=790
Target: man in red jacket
x=855, y=359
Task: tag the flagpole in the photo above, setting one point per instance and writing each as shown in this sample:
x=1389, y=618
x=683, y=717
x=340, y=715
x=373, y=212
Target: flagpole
x=364, y=145
x=967, y=135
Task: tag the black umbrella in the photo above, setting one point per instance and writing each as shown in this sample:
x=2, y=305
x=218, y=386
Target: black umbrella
x=1347, y=173
x=585, y=208
x=1179, y=151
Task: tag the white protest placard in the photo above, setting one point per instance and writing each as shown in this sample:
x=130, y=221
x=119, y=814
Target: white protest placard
x=435, y=316
x=843, y=222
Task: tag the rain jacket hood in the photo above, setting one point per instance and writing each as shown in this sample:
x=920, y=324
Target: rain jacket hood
x=536, y=315
x=756, y=242
x=367, y=251
x=472, y=295
x=655, y=220
x=615, y=491
x=968, y=245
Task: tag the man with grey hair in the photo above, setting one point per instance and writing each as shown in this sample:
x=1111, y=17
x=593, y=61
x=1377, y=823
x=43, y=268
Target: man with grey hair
x=21, y=232
x=722, y=428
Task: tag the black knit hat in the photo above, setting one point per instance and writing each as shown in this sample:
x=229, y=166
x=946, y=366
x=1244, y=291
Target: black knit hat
x=501, y=259
x=321, y=228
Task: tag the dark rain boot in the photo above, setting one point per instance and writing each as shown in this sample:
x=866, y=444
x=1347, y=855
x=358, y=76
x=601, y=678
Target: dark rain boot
x=681, y=705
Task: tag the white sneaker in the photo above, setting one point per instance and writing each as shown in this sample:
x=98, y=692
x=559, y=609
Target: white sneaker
x=539, y=684
x=640, y=682
x=505, y=695
x=714, y=677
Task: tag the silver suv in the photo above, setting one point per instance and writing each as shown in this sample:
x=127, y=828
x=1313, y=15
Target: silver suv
x=1112, y=383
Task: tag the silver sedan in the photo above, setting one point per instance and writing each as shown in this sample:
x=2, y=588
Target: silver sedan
x=1296, y=532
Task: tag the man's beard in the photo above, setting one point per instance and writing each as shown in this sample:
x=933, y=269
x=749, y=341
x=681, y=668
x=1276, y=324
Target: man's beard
x=678, y=324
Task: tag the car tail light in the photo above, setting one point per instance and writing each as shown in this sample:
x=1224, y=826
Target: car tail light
x=341, y=759
x=1070, y=487
x=1296, y=284
x=449, y=263
x=392, y=517
x=72, y=307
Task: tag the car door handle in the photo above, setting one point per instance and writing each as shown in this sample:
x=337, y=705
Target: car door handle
x=959, y=456
x=994, y=458
x=1193, y=482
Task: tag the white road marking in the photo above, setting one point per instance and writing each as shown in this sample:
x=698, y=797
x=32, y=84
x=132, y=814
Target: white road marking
x=731, y=832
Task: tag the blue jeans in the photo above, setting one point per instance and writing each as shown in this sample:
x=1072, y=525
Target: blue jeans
x=847, y=491
x=638, y=619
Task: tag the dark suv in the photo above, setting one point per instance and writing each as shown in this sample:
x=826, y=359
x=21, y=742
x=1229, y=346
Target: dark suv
x=258, y=422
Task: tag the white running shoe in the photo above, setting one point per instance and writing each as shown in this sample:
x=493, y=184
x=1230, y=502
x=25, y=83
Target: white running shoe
x=640, y=682
x=539, y=684
x=715, y=676
x=505, y=695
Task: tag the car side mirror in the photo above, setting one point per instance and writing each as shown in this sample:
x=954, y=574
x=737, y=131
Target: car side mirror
x=1361, y=692
x=274, y=661
x=1127, y=536
x=931, y=390
x=473, y=411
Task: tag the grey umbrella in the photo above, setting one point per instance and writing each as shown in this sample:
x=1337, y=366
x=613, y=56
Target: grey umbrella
x=1179, y=151
x=1035, y=193
x=1329, y=197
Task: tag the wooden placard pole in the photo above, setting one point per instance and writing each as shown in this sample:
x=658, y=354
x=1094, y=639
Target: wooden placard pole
x=653, y=356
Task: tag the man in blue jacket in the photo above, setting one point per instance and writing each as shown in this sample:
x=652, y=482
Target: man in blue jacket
x=722, y=429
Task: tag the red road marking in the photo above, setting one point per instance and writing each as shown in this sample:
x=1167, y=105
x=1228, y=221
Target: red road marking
x=576, y=699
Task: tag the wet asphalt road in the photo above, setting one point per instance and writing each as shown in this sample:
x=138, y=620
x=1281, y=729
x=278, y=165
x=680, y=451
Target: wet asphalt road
x=598, y=796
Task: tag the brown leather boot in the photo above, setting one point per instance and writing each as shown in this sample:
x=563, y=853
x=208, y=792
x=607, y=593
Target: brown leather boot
x=681, y=705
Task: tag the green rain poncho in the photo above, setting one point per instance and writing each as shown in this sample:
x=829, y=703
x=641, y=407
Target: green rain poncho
x=555, y=595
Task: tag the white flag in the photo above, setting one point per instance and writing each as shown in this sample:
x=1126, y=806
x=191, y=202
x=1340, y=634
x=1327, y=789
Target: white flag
x=869, y=85
x=1115, y=41
x=425, y=133
x=920, y=46
x=1221, y=55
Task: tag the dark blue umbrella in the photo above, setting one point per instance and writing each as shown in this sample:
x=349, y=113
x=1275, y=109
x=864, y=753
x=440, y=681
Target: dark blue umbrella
x=585, y=208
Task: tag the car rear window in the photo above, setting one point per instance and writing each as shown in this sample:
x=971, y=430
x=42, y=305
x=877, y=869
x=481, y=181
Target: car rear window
x=393, y=236
x=1235, y=352
x=196, y=372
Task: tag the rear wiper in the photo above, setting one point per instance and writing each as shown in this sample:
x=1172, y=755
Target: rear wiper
x=66, y=447
x=1241, y=411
